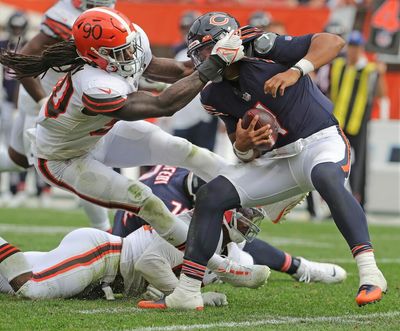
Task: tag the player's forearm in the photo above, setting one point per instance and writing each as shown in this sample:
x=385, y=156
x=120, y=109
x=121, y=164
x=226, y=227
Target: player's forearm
x=141, y=105
x=168, y=70
x=324, y=48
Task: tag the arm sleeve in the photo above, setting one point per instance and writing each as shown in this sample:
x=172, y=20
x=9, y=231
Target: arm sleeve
x=287, y=50
x=103, y=100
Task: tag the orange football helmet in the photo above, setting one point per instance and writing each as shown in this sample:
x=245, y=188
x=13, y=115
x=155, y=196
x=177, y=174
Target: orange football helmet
x=108, y=39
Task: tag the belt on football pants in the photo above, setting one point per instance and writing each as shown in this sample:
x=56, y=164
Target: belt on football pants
x=297, y=146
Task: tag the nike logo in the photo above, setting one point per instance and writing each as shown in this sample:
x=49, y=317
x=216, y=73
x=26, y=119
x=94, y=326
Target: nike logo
x=334, y=272
x=108, y=90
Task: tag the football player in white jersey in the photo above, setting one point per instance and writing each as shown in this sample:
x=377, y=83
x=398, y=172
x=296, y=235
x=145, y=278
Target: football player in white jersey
x=104, y=62
x=56, y=25
x=88, y=259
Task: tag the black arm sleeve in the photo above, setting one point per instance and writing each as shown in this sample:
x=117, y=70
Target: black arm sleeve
x=288, y=50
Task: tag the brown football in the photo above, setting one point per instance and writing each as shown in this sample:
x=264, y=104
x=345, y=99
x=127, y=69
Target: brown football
x=264, y=118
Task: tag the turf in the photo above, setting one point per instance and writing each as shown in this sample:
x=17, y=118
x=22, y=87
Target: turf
x=282, y=304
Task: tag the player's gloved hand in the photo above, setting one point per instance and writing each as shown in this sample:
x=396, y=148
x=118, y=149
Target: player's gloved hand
x=226, y=51
x=214, y=299
x=152, y=294
x=229, y=48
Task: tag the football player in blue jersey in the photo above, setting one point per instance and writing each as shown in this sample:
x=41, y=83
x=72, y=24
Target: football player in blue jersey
x=310, y=153
x=177, y=187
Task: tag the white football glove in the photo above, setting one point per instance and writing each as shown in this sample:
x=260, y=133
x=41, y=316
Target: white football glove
x=214, y=299
x=229, y=48
x=152, y=294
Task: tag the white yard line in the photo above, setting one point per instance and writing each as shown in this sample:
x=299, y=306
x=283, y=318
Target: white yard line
x=18, y=228
x=110, y=310
x=350, y=260
x=274, y=320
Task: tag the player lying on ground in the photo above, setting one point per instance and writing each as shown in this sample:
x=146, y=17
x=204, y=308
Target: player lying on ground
x=310, y=153
x=177, y=187
x=87, y=259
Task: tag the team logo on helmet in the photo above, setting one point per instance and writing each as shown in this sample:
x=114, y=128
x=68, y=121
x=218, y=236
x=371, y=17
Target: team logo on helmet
x=219, y=19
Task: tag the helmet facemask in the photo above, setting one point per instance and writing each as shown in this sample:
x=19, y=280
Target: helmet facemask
x=199, y=52
x=243, y=224
x=126, y=60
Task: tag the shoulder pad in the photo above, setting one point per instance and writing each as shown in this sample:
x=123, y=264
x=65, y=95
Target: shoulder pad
x=264, y=43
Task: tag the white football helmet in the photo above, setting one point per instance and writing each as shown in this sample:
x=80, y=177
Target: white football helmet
x=243, y=224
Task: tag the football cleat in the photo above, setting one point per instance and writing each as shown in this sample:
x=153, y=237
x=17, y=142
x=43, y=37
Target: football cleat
x=368, y=293
x=310, y=271
x=251, y=276
x=179, y=299
x=280, y=209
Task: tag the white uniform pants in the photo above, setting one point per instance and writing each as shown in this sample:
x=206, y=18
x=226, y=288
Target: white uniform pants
x=84, y=257
x=267, y=180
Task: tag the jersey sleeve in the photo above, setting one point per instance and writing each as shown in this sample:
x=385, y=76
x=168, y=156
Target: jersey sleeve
x=55, y=29
x=102, y=100
x=285, y=49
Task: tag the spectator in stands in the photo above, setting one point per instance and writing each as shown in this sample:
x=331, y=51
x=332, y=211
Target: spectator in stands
x=185, y=23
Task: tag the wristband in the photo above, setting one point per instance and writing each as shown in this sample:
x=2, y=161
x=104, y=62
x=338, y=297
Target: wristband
x=245, y=156
x=297, y=68
x=305, y=66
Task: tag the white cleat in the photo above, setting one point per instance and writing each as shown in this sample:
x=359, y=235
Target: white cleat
x=251, y=276
x=278, y=210
x=327, y=273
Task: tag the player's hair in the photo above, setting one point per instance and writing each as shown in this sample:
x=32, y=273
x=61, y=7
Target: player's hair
x=55, y=56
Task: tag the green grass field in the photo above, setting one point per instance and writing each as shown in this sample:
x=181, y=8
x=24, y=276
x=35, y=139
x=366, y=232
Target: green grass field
x=282, y=304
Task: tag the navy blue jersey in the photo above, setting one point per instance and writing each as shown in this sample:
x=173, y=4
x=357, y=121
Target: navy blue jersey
x=168, y=183
x=286, y=50
x=301, y=111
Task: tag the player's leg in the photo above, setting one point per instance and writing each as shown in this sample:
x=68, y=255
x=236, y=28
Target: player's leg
x=251, y=184
x=98, y=216
x=14, y=266
x=300, y=268
x=84, y=257
x=12, y=158
x=327, y=164
x=99, y=184
x=137, y=143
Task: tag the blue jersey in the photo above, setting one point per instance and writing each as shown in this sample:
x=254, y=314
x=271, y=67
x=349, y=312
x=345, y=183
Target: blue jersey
x=167, y=183
x=301, y=111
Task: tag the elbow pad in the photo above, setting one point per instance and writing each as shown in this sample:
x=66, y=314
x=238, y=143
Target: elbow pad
x=264, y=43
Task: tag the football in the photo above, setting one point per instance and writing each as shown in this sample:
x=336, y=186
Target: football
x=264, y=118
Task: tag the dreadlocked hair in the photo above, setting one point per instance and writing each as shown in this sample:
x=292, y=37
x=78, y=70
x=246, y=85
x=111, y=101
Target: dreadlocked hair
x=55, y=56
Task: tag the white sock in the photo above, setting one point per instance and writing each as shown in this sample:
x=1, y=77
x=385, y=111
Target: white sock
x=167, y=225
x=97, y=215
x=6, y=164
x=12, y=262
x=367, y=268
x=189, y=284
